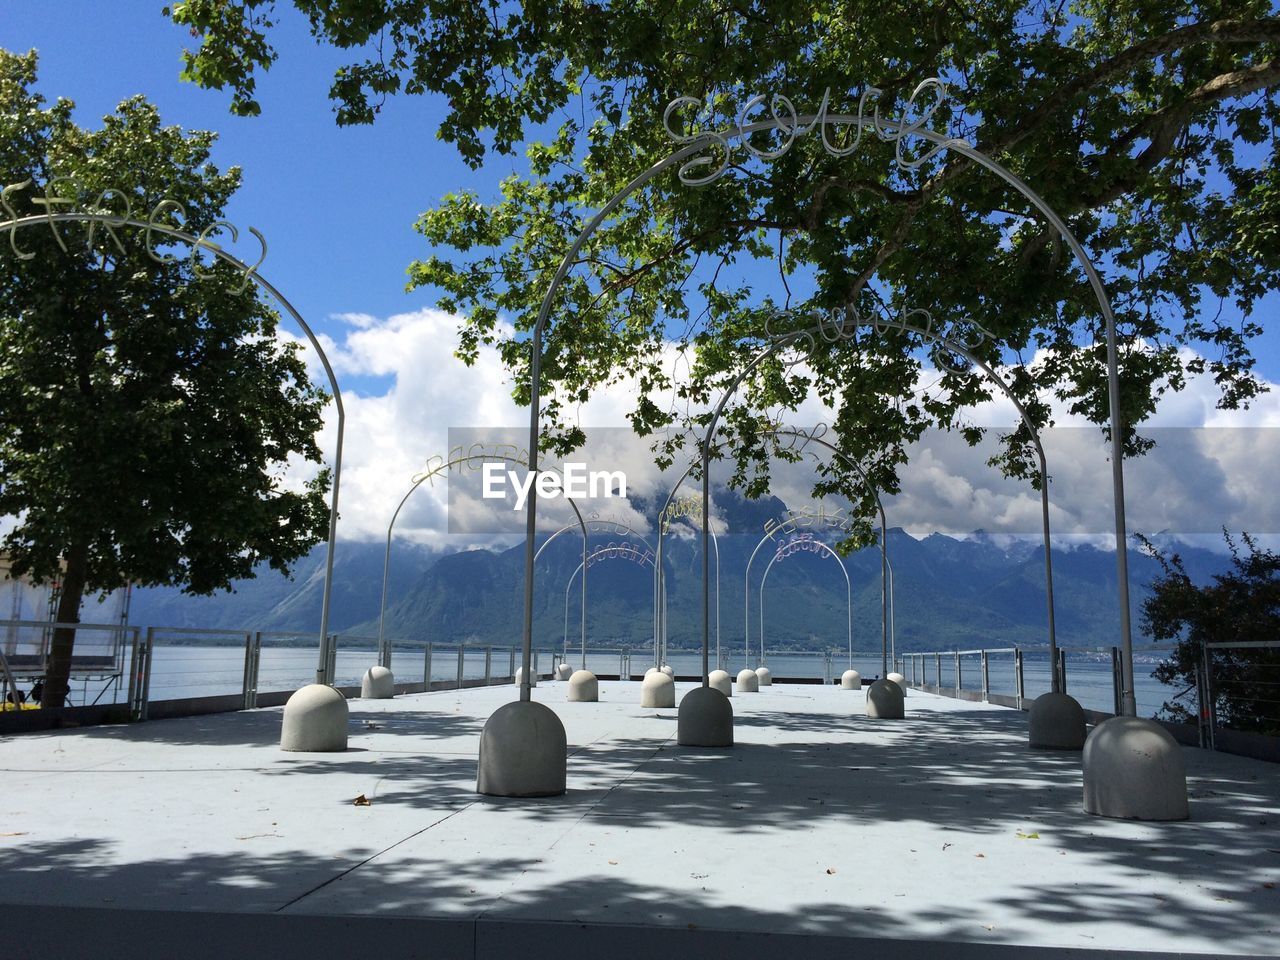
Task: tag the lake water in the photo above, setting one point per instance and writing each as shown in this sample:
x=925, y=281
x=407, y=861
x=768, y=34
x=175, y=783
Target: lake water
x=196, y=671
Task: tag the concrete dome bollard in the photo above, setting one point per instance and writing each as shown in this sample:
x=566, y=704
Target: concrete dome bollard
x=885, y=701
x=851, y=680
x=705, y=719
x=564, y=671
x=1134, y=770
x=315, y=720
x=657, y=690
x=523, y=752
x=377, y=684
x=652, y=670
x=900, y=680
x=765, y=676
x=720, y=680
x=1056, y=722
x=669, y=671
x=583, y=687
x=748, y=682
x=533, y=680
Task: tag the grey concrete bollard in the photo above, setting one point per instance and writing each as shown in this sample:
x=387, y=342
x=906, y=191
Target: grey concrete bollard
x=705, y=719
x=583, y=687
x=533, y=681
x=669, y=671
x=851, y=680
x=657, y=690
x=1134, y=770
x=315, y=720
x=900, y=680
x=377, y=684
x=564, y=671
x=765, y=676
x=748, y=681
x=885, y=701
x=1056, y=722
x=523, y=752
x=720, y=680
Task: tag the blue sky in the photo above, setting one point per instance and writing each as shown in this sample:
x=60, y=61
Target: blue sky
x=337, y=207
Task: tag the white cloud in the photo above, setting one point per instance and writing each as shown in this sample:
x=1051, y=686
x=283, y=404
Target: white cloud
x=1207, y=470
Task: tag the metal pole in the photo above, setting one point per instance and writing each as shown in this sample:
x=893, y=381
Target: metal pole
x=462, y=653
x=426, y=669
x=488, y=666
x=1019, y=677
x=1117, y=681
x=706, y=563
x=716, y=543
x=893, y=609
x=848, y=587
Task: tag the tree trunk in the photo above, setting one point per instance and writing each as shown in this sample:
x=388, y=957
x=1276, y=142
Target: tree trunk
x=58, y=671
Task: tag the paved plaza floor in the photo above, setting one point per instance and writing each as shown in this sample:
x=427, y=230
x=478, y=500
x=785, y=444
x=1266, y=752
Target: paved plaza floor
x=818, y=826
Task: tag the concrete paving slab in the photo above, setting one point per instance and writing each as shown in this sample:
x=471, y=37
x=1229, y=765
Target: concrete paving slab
x=820, y=824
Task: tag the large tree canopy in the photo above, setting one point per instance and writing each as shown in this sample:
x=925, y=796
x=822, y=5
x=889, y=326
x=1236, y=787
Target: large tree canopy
x=1149, y=126
x=147, y=410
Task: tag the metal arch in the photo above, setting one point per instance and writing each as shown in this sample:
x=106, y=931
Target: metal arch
x=886, y=129
x=632, y=555
x=384, y=650
x=809, y=336
x=584, y=525
x=660, y=580
x=775, y=431
x=322, y=670
x=848, y=584
x=886, y=603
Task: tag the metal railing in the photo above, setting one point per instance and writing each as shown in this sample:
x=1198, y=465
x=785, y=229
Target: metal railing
x=1234, y=696
x=1240, y=692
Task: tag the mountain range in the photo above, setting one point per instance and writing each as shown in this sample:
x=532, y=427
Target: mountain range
x=949, y=592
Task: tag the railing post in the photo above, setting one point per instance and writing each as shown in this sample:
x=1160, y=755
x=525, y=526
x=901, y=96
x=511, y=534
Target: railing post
x=1210, y=707
x=333, y=660
x=140, y=678
x=511, y=665
x=247, y=685
x=1019, y=678
x=139, y=669
x=1062, y=670
x=986, y=678
x=426, y=669
x=959, y=685
x=1117, y=683
x=488, y=666
x=462, y=655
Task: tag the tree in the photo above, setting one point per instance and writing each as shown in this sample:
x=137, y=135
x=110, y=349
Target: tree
x=147, y=409
x=1149, y=126
x=1241, y=605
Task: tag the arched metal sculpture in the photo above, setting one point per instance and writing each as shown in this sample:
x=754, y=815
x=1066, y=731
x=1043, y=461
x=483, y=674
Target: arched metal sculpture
x=809, y=543
x=688, y=157
x=613, y=526
x=613, y=551
x=384, y=648
x=672, y=510
x=197, y=242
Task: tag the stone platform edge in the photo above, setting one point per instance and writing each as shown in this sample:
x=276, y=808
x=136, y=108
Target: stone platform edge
x=92, y=933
